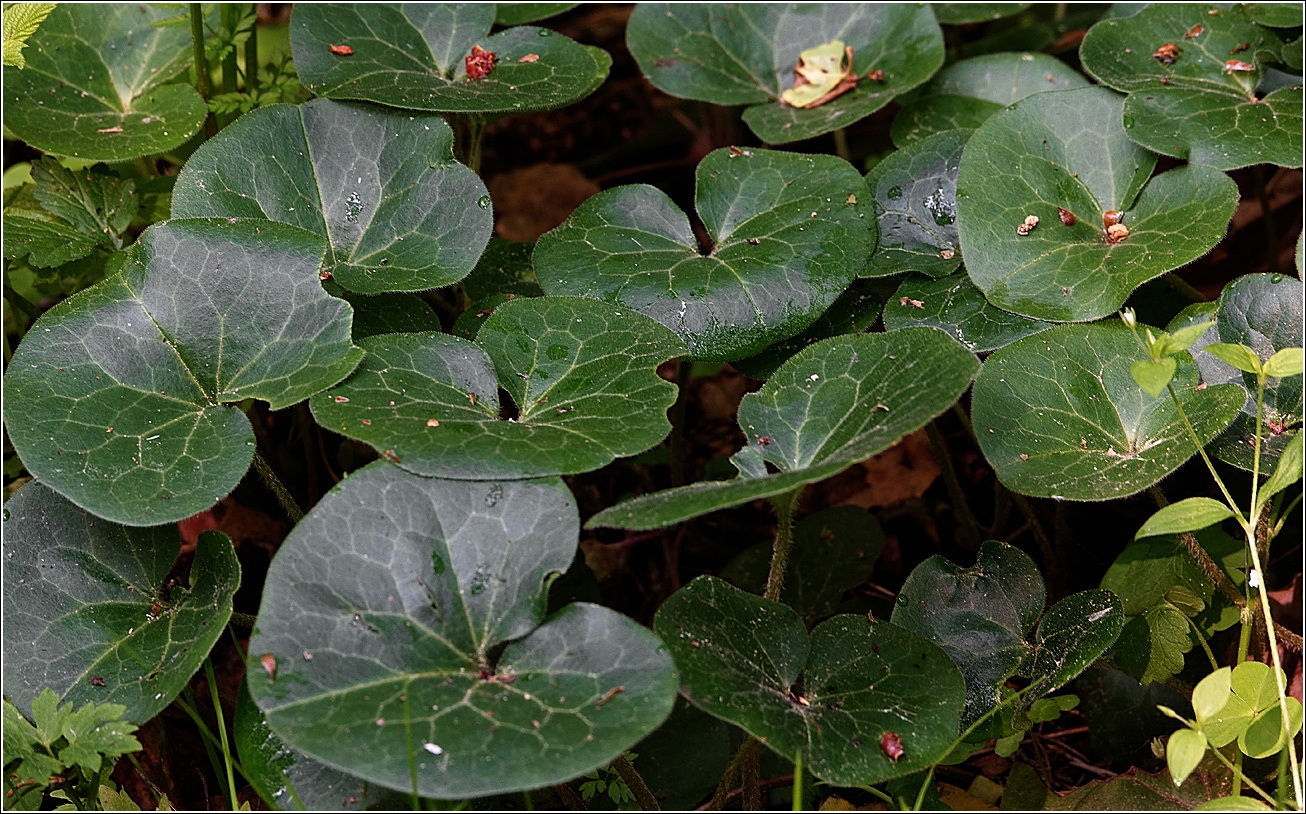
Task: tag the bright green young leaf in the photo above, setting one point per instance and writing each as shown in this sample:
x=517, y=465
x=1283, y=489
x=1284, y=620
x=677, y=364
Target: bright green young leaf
x=740, y=657
x=1264, y=312
x=1183, y=752
x=981, y=616
x=966, y=93
x=915, y=194
x=1284, y=363
x=95, y=85
x=1184, y=338
x=1266, y=734
x=1200, y=104
x=581, y=374
x=20, y=22
x=1153, y=376
x=88, y=611
x=745, y=53
x=1148, y=571
x=1287, y=472
x=118, y=396
x=519, y=13
x=405, y=616
x=1058, y=414
x=1234, y=803
x=1068, y=151
x=1189, y=514
x=412, y=56
x=382, y=188
x=1240, y=356
x=960, y=13
x=1224, y=707
x=69, y=214
x=837, y=402
x=953, y=304
x=788, y=234
x=833, y=550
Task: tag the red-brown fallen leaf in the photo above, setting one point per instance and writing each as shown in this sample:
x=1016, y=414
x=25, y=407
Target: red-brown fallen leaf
x=342, y=50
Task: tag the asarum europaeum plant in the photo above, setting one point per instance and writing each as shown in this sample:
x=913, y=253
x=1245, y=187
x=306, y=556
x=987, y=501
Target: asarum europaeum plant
x=191, y=272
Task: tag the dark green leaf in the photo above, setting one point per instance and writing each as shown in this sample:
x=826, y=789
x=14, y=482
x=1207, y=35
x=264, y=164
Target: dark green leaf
x=88, y=611
x=117, y=396
x=936, y=113
x=1074, y=633
x=744, y=53
x=685, y=757
x=518, y=13
x=1058, y=414
x=1122, y=714
x=953, y=304
x=789, y=232
x=376, y=314
x=95, y=84
x=382, y=187
x=1147, y=571
x=504, y=268
x=740, y=657
x=1196, y=107
x=96, y=204
x=1069, y=151
x=915, y=194
x=412, y=57
x=834, y=403
x=45, y=241
x=384, y=612
x=1275, y=15
x=582, y=375
x=959, y=13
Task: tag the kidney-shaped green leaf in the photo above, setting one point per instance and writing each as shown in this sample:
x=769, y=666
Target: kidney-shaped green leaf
x=834, y=403
x=413, y=56
x=740, y=658
x=384, y=613
x=95, y=85
x=745, y=53
x=1197, y=101
x=955, y=305
x=382, y=187
x=915, y=194
x=90, y=613
x=789, y=232
x=117, y=397
x=1058, y=414
x=582, y=375
x=960, y=13
x=1068, y=151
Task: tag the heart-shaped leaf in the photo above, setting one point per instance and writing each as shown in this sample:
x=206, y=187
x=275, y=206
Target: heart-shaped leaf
x=1068, y=152
x=1263, y=312
x=837, y=402
x=381, y=186
x=384, y=613
x=582, y=375
x=1192, y=73
x=789, y=232
x=1058, y=414
x=518, y=13
x=745, y=53
x=833, y=550
x=740, y=658
x=90, y=613
x=413, y=56
x=955, y=305
x=1074, y=633
x=117, y=397
x=95, y=85
x=981, y=616
x=961, y=13
x=915, y=194
x=966, y=93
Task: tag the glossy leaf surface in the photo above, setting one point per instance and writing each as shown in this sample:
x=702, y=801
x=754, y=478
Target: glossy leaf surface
x=915, y=193
x=953, y=304
x=382, y=188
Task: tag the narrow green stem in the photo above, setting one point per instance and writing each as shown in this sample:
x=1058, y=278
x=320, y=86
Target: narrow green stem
x=278, y=488
x=20, y=302
x=1202, y=451
x=471, y=130
x=881, y=794
x=841, y=145
x=798, y=782
x=920, y=794
x=967, y=526
x=527, y=802
x=1197, y=633
x=251, y=57
x=676, y=415
x=1238, y=777
x=222, y=729
x=201, y=64
x=643, y=794
x=1254, y=515
x=784, y=539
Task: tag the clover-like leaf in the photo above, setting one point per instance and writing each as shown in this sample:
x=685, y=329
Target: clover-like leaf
x=1058, y=414
x=96, y=84
x=404, y=617
x=915, y=194
x=89, y=612
x=1067, y=152
x=968, y=92
x=118, y=396
x=960, y=13
x=745, y=53
x=789, y=232
x=413, y=56
x=581, y=374
x=953, y=304
x=1192, y=73
x=382, y=187
x=833, y=404
x=740, y=658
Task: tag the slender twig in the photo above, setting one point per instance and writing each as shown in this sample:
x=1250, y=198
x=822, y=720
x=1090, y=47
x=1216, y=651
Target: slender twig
x=243, y=620
x=278, y=488
x=765, y=784
x=728, y=777
x=201, y=65
x=841, y=145
x=676, y=415
x=643, y=794
x=569, y=797
x=20, y=302
x=968, y=529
